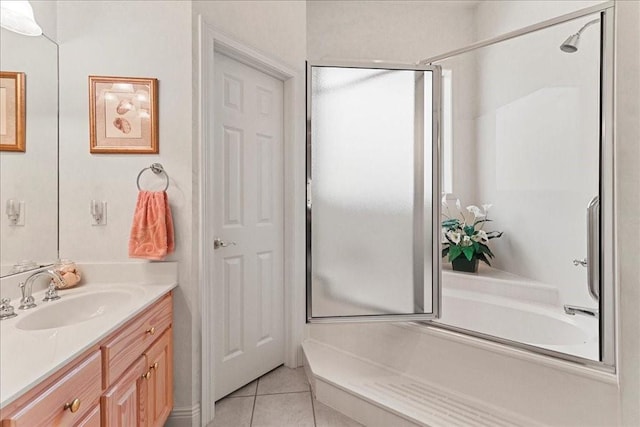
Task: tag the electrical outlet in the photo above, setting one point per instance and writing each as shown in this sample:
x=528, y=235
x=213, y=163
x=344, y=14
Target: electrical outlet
x=98, y=212
x=23, y=214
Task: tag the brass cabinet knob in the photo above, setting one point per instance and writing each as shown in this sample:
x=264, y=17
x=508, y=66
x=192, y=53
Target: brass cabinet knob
x=147, y=375
x=73, y=406
x=154, y=366
x=151, y=331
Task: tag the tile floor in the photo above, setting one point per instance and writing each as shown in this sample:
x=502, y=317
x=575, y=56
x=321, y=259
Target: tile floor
x=280, y=398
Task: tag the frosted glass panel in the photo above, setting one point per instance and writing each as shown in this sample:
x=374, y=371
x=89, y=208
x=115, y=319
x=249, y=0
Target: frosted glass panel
x=368, y=191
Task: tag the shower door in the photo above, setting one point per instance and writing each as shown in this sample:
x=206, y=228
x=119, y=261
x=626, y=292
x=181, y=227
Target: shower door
x=372, y=192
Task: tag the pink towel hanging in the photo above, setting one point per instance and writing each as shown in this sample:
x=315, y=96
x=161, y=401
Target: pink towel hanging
x=152, y=235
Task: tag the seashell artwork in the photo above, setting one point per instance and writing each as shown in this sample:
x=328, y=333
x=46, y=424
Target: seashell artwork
x=122, y=124
x=124, y=106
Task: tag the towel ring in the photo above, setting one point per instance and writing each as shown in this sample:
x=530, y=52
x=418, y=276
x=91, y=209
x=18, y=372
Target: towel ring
x=157, y=169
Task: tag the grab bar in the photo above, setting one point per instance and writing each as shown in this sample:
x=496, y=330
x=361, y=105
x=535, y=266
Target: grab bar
x=572, y=310
x=593, y=247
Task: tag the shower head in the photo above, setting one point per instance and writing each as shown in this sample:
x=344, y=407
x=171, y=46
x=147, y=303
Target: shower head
x=570, y=45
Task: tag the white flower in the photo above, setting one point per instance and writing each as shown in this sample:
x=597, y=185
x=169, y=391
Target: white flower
x=486, y=208
x=444, y=200
x=466, y=241
x=454, y=236
x=458, y=204
x=477, y=213
x=480, y=236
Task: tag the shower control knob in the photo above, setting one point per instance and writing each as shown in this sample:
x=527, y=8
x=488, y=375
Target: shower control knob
x=582, y=262
x=219, y=243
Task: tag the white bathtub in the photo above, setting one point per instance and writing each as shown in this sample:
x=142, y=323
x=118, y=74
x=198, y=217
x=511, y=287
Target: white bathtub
x=513, y=308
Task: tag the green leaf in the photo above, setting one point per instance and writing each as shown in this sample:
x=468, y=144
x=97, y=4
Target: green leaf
x=469, y=229
x=468, y=252
x=451, y=223
x=483, y=258
x=445, y=251
x=476, y=247
x=454, y=252
x=485, y=249
x=480, y=221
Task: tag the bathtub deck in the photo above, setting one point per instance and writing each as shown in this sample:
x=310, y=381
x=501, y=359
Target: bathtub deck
x=376, y=396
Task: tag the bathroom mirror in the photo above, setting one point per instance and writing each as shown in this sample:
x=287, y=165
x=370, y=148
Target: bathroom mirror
x=29, y=179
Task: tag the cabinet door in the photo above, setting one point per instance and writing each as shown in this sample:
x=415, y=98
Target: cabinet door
x=122, y=403
x=92, y=419
x=160, y=382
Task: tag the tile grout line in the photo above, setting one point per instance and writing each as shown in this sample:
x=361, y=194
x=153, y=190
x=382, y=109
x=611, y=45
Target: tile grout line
x=313, y=410
x=283, y=392
x=255, y=397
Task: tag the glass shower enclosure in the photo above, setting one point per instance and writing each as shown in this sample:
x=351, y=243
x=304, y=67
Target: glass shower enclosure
x=521, y=122
x=372, y=200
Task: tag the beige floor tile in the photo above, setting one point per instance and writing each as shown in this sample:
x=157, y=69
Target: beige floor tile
x=283, y=410
x=233, y=412
x=283, y=380
x=329, y=417
x=248, y=390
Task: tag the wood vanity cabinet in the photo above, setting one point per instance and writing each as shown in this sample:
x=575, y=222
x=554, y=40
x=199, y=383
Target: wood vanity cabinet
x=125, y=380
x=64, y=400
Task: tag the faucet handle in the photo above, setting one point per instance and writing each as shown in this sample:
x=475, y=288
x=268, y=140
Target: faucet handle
x=52, y=293
x=27, y=301
x=6, y=309
x=22, y=286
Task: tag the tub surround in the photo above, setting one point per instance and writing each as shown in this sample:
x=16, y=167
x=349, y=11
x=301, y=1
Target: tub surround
x=27, y=357
x=378, y=395
x=497, y=379
x=516, y=308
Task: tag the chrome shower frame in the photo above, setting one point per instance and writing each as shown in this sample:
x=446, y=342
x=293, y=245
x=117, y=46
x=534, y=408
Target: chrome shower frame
x=608, y=285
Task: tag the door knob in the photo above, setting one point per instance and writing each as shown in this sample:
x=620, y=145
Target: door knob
x=219, y=243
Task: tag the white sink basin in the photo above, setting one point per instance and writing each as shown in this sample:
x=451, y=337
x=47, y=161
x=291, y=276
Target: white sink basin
x=71, y=310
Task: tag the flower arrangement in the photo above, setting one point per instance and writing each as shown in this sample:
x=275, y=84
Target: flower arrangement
x=464, y=239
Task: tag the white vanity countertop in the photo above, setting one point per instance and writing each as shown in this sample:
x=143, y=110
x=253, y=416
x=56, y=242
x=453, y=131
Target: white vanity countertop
x=27, y=357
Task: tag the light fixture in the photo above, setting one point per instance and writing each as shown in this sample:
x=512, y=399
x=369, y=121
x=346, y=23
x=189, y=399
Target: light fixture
x=17, y=16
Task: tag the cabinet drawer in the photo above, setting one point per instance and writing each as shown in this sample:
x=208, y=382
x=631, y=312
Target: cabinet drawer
x=130, y=342
x=48, y=407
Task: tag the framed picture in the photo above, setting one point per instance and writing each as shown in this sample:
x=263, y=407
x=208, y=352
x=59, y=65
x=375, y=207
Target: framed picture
x=123, y=115
x=12, y=111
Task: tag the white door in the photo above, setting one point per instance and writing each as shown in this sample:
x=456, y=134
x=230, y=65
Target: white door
x=248, y=219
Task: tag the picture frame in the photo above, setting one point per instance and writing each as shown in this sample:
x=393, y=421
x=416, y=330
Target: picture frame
x=13, y=113
x=123, y=115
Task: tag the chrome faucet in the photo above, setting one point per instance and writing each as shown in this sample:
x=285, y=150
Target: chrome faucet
x=585, y=311
x=26, y=288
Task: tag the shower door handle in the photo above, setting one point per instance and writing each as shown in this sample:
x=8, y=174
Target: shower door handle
x=219, y=243
x=593, y=247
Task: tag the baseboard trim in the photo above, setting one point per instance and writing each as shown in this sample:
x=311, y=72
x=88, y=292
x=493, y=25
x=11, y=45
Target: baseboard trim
x=185, y=416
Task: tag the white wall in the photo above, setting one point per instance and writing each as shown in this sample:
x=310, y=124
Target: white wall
x=400, y=31
x=627, y=139
x=537, y=139
x=46, y=16
x=275, y=27
x=134, y=39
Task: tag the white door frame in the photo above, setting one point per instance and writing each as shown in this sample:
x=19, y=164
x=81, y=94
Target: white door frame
x=211, y=40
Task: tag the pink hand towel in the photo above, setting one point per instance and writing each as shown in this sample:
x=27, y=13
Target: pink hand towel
x=152, y=230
